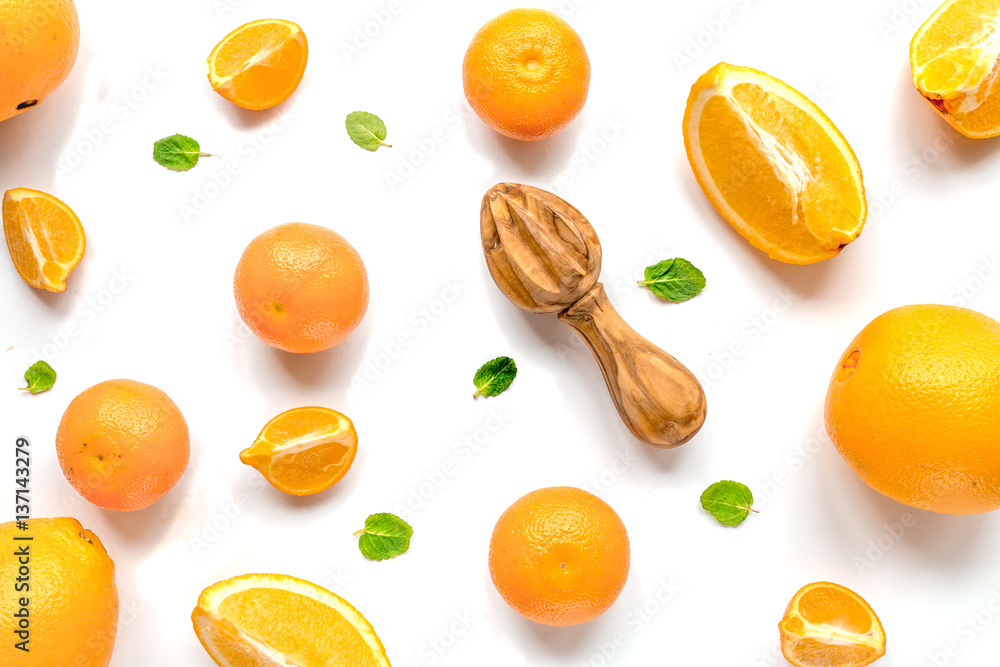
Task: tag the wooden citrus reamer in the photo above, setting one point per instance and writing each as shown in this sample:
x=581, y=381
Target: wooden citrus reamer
x=545, y=257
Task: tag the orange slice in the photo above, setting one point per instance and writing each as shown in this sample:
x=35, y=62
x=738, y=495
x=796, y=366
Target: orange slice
x=955, y=61
x=827, y=625
x=260, y=64
x=274, y=620
x=773, y=165
x=304, y=451
x=44, y=236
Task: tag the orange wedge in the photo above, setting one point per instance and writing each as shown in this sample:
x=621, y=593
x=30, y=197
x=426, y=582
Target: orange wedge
x=274, y=620
x=773, y=165
x=304, y=451
x=260, y=64
x=827, y=625
x=955, y=57
x=44, y=236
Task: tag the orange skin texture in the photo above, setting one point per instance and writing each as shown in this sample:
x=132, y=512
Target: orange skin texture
x=914, y=408
x=39, y=41
x=73, y=599
x=123, y=444
x=301, y=287
x=526, y=74
x=559, y=556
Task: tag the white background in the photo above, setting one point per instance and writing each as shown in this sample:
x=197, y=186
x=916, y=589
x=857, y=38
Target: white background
x=140, y=76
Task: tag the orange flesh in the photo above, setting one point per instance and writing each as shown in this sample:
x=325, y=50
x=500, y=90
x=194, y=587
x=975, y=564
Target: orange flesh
x=259, y=65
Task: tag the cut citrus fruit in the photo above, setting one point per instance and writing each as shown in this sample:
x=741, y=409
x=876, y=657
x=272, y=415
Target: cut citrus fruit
x=260, y=64
x=274, y=620
x=44, y=236
x=304, y=451
x=773, y=165
x=954, y=59
x=828, y=625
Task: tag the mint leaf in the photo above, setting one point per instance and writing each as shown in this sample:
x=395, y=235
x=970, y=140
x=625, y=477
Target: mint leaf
x=178, y=152
x=674, y=279
x=40, y=377
x=366, y=130
x=729, y=502
x=384, y=536
x=494, y=376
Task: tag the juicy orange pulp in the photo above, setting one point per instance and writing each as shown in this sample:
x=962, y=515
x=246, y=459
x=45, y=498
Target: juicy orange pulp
x=305, y=450
x=828, y=625
x=44, y=237
x=954, y=58
x=260, y=64
x=773, y=165
x=273, y=619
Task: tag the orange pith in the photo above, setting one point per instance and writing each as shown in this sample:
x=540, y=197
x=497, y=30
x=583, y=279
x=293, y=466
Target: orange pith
x=44, y=237
x=828, y=625
x=260, y=64
x=123, y=444
x=526, y=74
x=39, y=41
x=773, y=165
x=304, y=450
x=914, y=408
x=301, y=287
x=559, y=556
x=255, y=620
x=954, y=58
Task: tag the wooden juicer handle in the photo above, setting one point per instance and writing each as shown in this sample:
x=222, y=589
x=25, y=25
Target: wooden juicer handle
x=657, y=397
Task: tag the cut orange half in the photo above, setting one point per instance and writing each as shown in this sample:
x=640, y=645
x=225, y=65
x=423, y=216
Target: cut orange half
x=773, y=165
x=44, y=236
x=828, y=625
x=274, y=620
x=260, y=64
x=955, y=60
x=304, y=451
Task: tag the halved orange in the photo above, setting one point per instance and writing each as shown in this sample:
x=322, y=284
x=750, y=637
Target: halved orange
x=275, y=620
x=304, y=451
x=260, y=64
x=44, y=236
x=773, y=165
x=828, y=625
x=954, y=58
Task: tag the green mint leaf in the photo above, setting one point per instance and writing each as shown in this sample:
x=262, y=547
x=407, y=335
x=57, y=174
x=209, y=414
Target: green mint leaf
x=384, y=536
x=729, y=502
x=366, y=130
x=178, y=152
x=40, y=377
x=674, y=279
x=494, y=376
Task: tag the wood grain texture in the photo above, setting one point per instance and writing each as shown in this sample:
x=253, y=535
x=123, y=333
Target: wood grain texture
x=545, y=257
x=658, y=398
x=542, y=253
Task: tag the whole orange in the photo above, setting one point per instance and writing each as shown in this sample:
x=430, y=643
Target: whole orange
x=526, y=74
x=559, y=556
x=301, y=288
x=39, y=40
x=914, y=408
x=122, y=444
x=68, y=581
